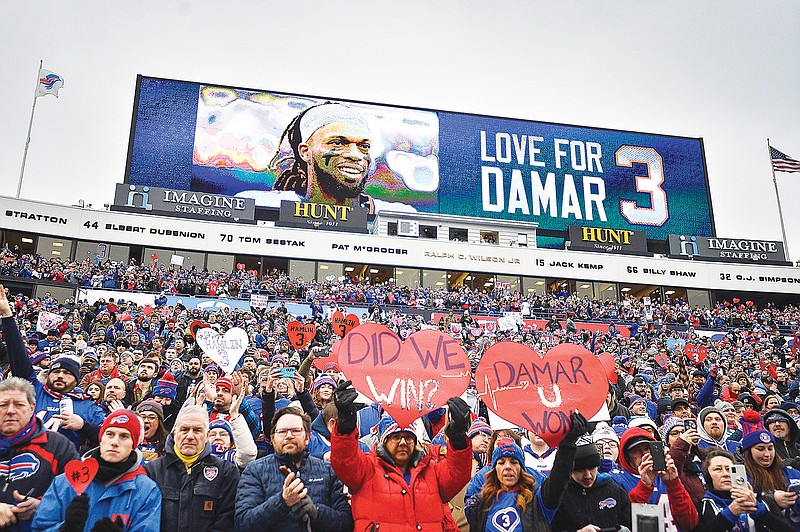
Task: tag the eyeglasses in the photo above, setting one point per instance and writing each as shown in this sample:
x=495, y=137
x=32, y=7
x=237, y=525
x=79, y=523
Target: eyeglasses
x=676, y=432
x=395, y=438
x=296, y=431
x=611, y=444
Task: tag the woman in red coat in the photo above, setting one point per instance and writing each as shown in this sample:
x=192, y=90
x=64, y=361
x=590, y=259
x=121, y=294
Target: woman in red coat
x=398, y=486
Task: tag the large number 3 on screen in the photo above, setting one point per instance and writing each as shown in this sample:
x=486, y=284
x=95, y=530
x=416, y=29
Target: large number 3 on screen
x=649, y=183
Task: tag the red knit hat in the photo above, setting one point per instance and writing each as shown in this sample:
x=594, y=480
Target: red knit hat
x=225, y=382
x=124, y=419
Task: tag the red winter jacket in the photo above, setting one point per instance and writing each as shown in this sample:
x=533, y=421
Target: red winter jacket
x=383, y=501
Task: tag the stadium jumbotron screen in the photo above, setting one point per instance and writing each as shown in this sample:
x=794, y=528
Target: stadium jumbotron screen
x=231, y=141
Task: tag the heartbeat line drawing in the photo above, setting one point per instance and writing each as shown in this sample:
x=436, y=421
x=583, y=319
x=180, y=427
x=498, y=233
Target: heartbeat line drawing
x=458, y=375
x=523, y=385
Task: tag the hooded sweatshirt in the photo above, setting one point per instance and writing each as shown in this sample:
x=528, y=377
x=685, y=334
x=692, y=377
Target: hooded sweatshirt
x=670, y=494
x=706, y=440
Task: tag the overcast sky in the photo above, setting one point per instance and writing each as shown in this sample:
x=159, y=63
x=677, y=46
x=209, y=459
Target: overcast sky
x=726, y=71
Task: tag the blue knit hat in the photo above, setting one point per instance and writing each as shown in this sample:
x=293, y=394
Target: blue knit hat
x=753, y=431
x=38, y=356
x=221, y=424
x=619, y=424
x=478, y=426
x=670, y=423
x=506, y=447
x=636, y=398
x=388, y=426
x=166, y=387
x=323, y=379
x=69, y=364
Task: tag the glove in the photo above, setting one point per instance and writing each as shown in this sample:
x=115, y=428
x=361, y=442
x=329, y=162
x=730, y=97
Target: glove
x=344, y=398
x=107, y=525
x=305, y=507
x=76, y=514
x=456, y=428
x=578, y=428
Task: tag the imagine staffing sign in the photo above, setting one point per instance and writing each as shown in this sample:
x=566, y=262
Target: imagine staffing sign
x=727, y=249
x=183, y=204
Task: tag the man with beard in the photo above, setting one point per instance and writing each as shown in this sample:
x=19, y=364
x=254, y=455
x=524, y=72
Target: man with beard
x=711, y=427
x=291, y=490
x=199, y=488
x=191, y=377
x=330, y=144
x=141, y=388
x=83, y=423
x=221, y=402
x=114, y=396
x=786, y=433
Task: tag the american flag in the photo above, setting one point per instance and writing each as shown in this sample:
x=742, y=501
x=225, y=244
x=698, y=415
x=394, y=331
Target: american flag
x=782, y=162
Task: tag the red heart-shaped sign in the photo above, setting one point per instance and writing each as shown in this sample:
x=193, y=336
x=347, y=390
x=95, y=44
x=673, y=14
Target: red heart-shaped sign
x=662, y=360
x=695, y=353
x=610, y=365
x=455, y=328
x=80, y=473
x=540, y=393
x=343, y=324
x=301, y=335
x=490, y=326
x=408, y=379
x=196, y=325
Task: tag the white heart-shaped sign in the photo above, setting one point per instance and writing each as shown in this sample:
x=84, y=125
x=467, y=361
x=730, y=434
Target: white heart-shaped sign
x=224, y=350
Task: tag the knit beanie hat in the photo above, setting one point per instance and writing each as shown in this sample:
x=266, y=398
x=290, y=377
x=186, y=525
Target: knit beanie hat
x=586, y=457
x=478, y=426
x=701, y=418
x=642, y=422
x=332, y=366
x=151, y=406
x=753, y=431
x=778, y=414
x=124, y=419
x=166, y=387
x=670, y=423
x=636, y=398
x=225, y=383
x=722, y=405
x=221, y=424
x=506, y=447
x=38, y=357
x=388, y=426
x=324, y=379
x=69, y=364
x=604, y=433
x=619, y=424
x=748, y=400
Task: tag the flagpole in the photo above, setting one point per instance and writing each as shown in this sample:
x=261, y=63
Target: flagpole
x=28, y=138
x=778, y=196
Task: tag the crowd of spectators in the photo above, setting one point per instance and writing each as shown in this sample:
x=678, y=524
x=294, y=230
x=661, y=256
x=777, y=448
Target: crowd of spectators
x=240, y=283
x=280, y=442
